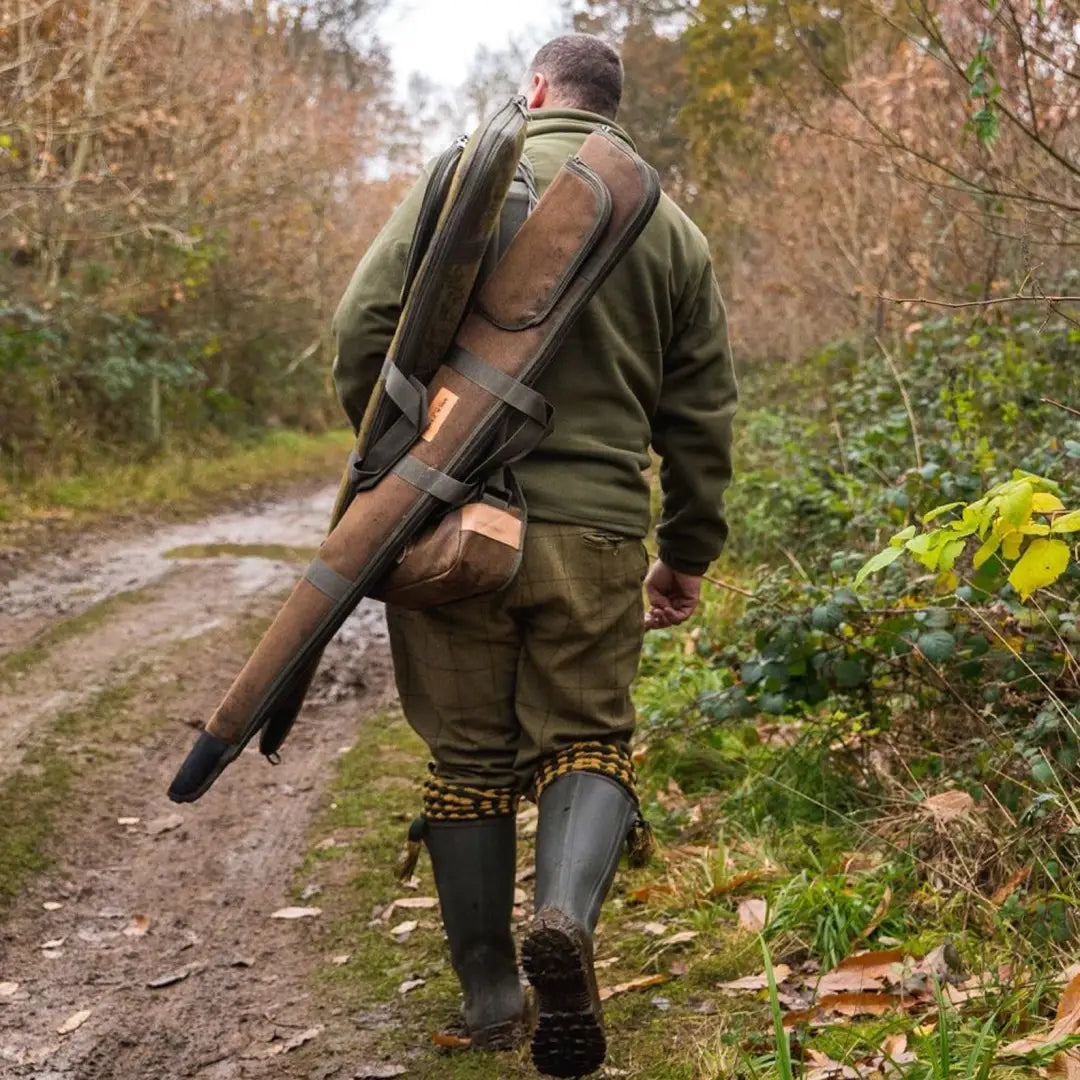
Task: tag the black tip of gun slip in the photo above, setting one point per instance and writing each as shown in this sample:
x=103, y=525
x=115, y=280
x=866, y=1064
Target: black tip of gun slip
x=203, y=765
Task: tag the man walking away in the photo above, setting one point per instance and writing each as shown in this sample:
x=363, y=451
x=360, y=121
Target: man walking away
x=528, y=691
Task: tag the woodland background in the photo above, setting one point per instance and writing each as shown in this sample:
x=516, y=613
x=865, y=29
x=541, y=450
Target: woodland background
x=892, y=191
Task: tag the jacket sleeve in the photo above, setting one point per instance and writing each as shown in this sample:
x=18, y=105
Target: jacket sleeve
x=367, y=316
x=692, y=431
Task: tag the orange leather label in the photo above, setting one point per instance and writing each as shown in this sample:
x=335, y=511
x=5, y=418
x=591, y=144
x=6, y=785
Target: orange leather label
x=439, y=409
x=498, y=525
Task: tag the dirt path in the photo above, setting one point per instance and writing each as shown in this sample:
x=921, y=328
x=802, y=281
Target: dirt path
x=142, y=891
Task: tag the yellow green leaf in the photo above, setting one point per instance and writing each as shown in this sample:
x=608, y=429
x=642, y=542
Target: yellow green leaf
x=1010, y=545
x=1033, y=528
x=1042, y=564
x=1067, y=523
x=1015, y=507
x=950, y=552
x=989, y=548
x=1044, y=503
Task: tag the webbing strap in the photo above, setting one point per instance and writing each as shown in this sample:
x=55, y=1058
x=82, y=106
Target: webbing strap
x=497, y=383
x=407, y=393
x=328, y=581
x=444, y=488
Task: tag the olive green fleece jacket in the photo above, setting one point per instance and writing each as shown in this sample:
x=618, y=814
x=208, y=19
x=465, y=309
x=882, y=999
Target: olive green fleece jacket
x=646, y=363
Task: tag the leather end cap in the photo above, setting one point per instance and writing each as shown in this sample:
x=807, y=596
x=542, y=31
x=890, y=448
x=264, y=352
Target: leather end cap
x=202, y=766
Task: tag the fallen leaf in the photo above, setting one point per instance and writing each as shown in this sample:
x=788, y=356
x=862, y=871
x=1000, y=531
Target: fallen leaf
x=8, y=989
x=657, y=929
x=735, y=883
x=849, y=1005
x=411, y=984
x=681, y=938
x=752, y=915
x=1065, y=1064
x=310, y=890
x=611, y=961
x=325, y=845
x=174, y=977
x=864, y=971
x=73, y=1022
x=164, y=824
x=128, y=820
x=341, y=959
x=445, y=1041
x=405, y=928
x=678, y=969
x=52, y=905
x=378, y=1071
x=242, y=962
x=296, y=913
x=1010, y=886
x=294, y=1043
x=820, y=1066
x=54, y=944
x=641, y=983
x=948, y=806
x=895, y=1046
x=754, y=983
x=138, y=926
x=879, y=913
x=645, y=893
x=416, y=902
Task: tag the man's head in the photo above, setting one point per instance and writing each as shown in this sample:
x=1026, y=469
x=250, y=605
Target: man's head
x=576, y=71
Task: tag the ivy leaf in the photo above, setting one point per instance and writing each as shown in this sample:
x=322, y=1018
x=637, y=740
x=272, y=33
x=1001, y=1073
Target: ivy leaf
x=1042, y=564
x=878, y=562
x=1011, y=544
x=902, y=537
x=1067, y=523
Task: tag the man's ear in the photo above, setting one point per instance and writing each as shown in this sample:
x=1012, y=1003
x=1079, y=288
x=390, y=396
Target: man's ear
x=537, y=92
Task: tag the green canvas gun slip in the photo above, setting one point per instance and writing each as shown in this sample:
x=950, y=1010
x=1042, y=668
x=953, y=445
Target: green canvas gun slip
x=588, y=217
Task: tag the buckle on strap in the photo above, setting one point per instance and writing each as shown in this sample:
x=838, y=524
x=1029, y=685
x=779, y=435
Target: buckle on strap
x=433, y=482
x=516, y=394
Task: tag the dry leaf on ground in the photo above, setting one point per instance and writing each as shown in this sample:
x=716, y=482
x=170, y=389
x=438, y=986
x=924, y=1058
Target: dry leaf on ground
x=737, y=882
x=341, y=959
x=164, y=824
x=419, y=903
x=864, y=971
x=846, y=1005
x=445, y=1041
x=820, y=1066
x=948, y=806
x=8, y=989
x=297, y=913
x=293, y=1043
x=378, y=1071
x=55, y=943
x=404, y=929
x=52, y=905
x=644, y=982
x=645, y=893
x=128, y=820
x=1010, y=886
x=681, y=938
x=411, y=984
x=1067, y=1022
x=138, y=926
x=73, y=1022
x=754, y=983
x=656, y=929
x=174, y=976
x=753, y=914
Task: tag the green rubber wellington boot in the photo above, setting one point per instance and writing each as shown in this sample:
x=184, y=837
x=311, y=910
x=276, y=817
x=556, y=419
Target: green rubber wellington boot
x=584, y=822
x=475, y=864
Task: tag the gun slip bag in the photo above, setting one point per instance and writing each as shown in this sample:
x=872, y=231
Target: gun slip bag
x=588, y=217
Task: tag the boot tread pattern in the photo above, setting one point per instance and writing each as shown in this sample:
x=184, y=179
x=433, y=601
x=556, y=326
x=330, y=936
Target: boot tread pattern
x=569, y=1037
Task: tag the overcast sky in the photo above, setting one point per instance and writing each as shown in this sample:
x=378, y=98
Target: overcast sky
x=438, y=38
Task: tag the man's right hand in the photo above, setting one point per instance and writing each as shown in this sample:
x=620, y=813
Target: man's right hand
x=673, y=597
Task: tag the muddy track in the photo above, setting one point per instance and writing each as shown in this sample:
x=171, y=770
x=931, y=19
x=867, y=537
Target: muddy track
x=142, y=891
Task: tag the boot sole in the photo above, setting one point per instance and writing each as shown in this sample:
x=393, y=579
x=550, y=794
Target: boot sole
x=569, y=1037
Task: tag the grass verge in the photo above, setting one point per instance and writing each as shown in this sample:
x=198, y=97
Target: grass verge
x=175, y=482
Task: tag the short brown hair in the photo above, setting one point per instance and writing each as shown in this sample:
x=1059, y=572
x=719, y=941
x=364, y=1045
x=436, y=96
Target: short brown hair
x=583, y=71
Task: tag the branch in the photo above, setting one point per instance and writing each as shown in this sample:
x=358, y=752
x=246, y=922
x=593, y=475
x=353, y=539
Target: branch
x=926, y=301
x=727, y=585
x=1061, y=405
x=907, y=402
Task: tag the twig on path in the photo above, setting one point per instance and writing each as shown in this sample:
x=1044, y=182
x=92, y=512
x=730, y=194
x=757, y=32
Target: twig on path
x=727, y=585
